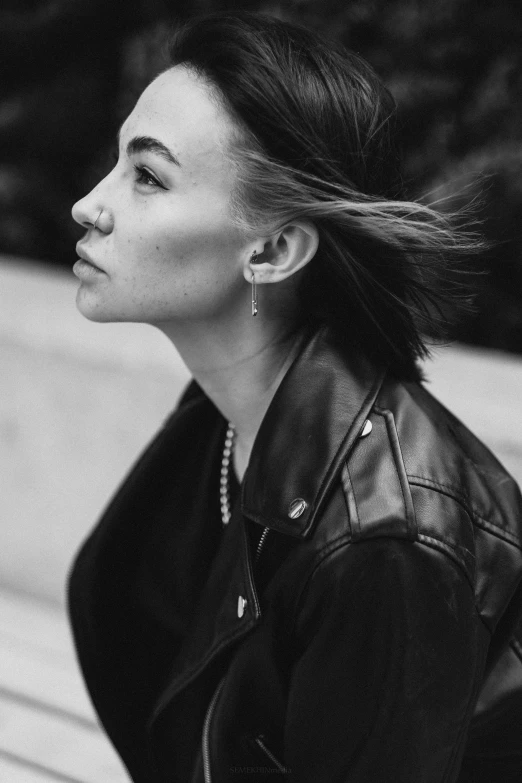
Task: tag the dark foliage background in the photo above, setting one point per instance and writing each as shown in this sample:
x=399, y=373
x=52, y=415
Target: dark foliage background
x=73, y=68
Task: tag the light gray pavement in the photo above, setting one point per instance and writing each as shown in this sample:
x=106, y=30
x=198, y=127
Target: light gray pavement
x=48, y=730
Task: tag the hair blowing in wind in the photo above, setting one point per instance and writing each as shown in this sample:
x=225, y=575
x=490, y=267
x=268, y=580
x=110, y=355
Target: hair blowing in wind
x=317, y=139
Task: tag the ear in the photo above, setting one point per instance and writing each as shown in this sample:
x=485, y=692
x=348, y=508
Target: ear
x=283, y=254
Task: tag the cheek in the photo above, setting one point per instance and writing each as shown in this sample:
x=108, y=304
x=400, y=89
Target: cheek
x=192, y=242
x=178, y=277
x=185, y=251
x=163, y=237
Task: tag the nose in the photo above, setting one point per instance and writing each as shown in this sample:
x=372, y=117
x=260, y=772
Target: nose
x=84, y=211
x=92, y=211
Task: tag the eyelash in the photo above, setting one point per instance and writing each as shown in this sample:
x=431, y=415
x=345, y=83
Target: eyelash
x=144, y=177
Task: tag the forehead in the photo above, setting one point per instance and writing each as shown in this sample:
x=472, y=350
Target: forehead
x=178, y=109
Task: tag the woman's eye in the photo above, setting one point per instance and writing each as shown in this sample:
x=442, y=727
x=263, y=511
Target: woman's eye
x=144, y=177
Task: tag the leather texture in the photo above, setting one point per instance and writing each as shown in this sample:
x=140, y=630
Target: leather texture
x=381, y=638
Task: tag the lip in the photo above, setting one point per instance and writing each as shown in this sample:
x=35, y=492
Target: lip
x=83, y=254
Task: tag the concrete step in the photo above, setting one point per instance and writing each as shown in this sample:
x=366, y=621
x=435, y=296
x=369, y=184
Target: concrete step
x=48, y=729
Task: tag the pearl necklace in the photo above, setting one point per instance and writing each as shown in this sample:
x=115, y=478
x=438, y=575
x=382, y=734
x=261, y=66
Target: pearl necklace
x=224, y=488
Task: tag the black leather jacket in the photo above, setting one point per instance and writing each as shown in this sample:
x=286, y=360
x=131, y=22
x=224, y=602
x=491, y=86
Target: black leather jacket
x=375, y=638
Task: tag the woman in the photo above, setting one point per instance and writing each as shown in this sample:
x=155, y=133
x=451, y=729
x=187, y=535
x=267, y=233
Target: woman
x=314, y=569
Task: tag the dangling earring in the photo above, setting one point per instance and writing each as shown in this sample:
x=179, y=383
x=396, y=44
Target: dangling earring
x=253, y=260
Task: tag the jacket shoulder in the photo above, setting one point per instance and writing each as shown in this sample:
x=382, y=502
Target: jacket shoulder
x=422, y=475
x=440, y=453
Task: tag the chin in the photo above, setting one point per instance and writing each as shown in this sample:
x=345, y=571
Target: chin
x=98, y=309
x=92, y=308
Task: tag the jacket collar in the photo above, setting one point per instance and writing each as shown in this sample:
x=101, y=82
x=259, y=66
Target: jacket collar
x=309, y=428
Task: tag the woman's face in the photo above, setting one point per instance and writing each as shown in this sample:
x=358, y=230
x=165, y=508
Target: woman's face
x=165, y=241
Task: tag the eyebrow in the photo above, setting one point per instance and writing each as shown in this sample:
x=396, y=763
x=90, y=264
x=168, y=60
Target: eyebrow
x=149, y=144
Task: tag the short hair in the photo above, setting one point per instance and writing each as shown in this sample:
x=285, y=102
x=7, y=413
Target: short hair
x=317, y=139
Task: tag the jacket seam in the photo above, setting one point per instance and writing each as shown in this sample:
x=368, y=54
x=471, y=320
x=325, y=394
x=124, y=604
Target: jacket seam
x=346, y=540
x=505, y=535
x=347, y=492
x=436, y=543
x=192, y=673
x=329, y=549
x=335, y=467
x=517, y=648
x=356, y=502
x=447, y=549
x=343, y=452
x=387, y=424
x=397, y=456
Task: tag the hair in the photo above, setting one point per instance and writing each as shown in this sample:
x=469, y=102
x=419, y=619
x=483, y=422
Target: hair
x=317, y=139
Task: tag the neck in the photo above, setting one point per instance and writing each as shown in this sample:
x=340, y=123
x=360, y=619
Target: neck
x=240, y=370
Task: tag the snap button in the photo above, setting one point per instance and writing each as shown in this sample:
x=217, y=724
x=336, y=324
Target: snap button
x=241, y=603
x=367, y=428
x=296, y=508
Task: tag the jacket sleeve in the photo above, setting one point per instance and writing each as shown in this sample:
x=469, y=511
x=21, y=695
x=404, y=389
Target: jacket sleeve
x=390, y=660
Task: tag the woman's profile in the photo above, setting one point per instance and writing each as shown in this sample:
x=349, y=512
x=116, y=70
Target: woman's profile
x=314, y=570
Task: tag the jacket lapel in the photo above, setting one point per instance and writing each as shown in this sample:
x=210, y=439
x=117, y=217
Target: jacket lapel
x=316, y=415
x=217, y=623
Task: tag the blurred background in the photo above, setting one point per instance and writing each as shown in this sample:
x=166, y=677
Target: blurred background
x=79, y=400
x=72, y=70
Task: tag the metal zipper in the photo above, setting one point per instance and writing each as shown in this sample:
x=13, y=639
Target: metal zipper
x=260, y=741
x=211, y=707
x=261, y=542
x=206, y=729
